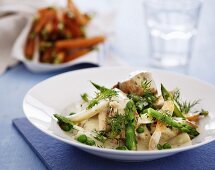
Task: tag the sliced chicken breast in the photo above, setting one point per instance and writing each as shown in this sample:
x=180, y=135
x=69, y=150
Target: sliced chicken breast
x=134, y=83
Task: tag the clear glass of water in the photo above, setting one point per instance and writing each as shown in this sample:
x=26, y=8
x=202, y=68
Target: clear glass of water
x=172, y=26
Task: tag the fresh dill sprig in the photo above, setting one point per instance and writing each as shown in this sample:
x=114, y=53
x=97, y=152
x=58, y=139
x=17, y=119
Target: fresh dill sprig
x=204, y=112
x=116, y=124
x=143, y=102
x=100, y=136
x=176, y=95
x=146, y=85
x=185, y=106
x=84, y=97
x=104, y=93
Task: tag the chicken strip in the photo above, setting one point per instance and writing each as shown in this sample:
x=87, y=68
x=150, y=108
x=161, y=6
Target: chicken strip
x=134, y=83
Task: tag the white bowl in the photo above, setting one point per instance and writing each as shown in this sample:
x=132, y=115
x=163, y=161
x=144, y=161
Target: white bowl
x=57, y=93
x=99, y=25
x=36, y=66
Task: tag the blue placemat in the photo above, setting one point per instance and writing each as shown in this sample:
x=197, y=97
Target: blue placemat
x=57, y=155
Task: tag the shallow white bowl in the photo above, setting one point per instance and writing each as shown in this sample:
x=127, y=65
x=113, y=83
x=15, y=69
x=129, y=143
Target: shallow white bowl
x=36, y=66
x=101, y=24
x=57, y=93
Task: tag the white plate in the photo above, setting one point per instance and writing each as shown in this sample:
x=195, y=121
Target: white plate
x=57, y=93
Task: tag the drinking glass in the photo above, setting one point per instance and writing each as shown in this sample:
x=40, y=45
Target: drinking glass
x=172, y=26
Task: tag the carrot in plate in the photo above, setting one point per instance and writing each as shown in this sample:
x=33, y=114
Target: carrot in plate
x=81, y=19
x=76, y=54
x=79, y=43
x=29, y=48
x=43, y=19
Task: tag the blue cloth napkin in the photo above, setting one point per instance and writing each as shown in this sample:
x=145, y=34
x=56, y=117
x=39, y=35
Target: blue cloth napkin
x=57, y=155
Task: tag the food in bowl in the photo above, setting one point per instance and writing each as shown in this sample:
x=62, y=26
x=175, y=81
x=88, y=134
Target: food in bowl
x=132, y=115
x=58, y=35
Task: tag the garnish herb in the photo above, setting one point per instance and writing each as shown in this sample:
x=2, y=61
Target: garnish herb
x=104, y=93
x=203, y=112
x=185, y=106
x=146, y=85
x=100, y=136
x=143, y=102
x=117, y=124
x=84, y=97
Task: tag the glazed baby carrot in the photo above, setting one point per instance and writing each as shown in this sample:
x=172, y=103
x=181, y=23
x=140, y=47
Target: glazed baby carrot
x=81, y=19
x=59, y=35
x=76, y=54
x=29, y=48
x=43, y=19
x=79, y=43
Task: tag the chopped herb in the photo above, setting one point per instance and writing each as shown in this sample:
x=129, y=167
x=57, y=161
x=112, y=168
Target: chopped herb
x=116, y=123
x=176, y=95
x=146, y=85
x=187, y=106
x=204, y=112
x=101, y=136
x=143, y=102
x=85, y=97
x=104, y=93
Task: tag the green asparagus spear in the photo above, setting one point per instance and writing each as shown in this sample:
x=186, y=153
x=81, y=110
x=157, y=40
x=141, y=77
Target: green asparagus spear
x=64, y=123
x=130, y=137
x=168, y=96
x=184, y=127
